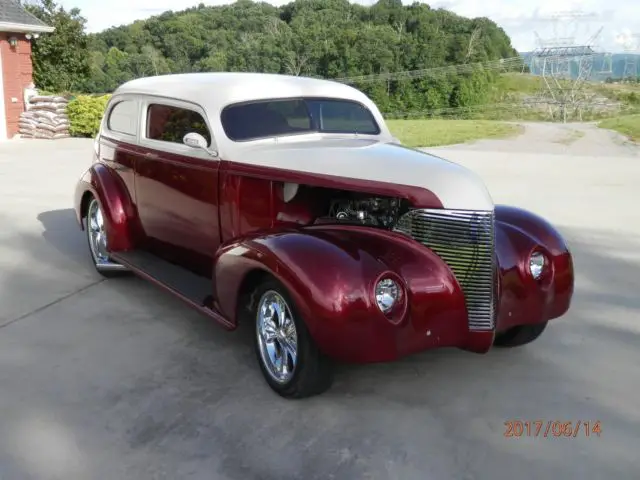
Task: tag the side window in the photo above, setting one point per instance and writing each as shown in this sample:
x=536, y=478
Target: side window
x=124, y=118
x=171, y=124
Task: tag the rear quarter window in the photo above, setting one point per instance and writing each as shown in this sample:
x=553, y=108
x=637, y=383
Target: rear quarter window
x=123, y=118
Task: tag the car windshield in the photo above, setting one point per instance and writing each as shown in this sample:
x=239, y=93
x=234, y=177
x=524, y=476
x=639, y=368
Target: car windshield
x=269, y=118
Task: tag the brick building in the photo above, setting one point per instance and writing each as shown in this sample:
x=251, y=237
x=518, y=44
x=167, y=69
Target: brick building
x=17, y=28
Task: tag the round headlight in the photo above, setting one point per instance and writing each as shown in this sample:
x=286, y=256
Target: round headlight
x=387, y=294
x=537, y=262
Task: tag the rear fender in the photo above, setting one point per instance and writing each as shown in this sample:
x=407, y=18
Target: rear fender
x=119, y=213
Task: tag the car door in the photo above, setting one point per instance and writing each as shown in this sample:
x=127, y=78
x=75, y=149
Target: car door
x=177, y=185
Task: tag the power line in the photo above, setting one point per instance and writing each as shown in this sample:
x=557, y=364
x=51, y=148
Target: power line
x=503, y=64
x=500, y=64
x=525, y=104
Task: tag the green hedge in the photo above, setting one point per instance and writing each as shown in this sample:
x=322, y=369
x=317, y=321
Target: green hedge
x=85, y=114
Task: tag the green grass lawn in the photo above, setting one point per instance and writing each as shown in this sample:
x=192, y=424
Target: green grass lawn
x=436, y=132
x=516, y=83
x=628, y=125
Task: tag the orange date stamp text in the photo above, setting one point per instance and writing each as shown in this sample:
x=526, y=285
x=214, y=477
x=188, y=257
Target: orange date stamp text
x=552, y=428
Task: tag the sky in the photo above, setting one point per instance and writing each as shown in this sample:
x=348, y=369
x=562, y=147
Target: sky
x=521, y=19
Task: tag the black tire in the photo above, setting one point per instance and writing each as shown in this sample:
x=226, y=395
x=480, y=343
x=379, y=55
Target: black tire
x=111, y=271
x=520, y=335
x=313, y=372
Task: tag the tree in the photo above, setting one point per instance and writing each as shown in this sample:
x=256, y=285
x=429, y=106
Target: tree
x=61, y=59
x=319, y=38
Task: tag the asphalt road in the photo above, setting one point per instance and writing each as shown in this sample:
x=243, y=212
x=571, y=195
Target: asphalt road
x=114, y=379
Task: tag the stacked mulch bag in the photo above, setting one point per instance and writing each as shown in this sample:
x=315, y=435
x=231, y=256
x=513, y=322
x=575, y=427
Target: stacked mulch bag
x=46, y=118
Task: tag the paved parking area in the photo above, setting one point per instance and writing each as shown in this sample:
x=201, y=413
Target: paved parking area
x=114, y=379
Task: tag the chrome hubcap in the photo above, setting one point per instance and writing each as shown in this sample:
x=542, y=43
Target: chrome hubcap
x=277, y=337
x=97, y=234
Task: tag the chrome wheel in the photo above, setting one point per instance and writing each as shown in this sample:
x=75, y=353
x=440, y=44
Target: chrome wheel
x=97, y=234
x=97, y=237
x=277, y=337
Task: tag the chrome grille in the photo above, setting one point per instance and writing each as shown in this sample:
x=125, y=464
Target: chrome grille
x=465, y=240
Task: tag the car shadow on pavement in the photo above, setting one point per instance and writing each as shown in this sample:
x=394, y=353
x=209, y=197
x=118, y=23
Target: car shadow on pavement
x=62, y=231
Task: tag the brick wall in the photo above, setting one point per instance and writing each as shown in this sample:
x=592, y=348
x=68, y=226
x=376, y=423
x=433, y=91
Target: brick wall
x=17, y=73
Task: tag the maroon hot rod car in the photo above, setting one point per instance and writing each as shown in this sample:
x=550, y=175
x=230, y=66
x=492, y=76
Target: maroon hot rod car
x=286, y=202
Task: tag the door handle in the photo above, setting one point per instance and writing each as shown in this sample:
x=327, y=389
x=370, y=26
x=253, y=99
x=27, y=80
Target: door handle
x=151, y=156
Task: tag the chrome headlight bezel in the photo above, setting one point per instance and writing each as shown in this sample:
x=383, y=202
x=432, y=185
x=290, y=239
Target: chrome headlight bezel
x=387, y=294
x=390, y=297
x=537, y=264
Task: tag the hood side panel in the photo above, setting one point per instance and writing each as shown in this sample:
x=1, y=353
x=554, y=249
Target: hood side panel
x=362, y=165
x=419, y=197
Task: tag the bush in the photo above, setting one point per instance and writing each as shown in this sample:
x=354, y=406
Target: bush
x=85, y=113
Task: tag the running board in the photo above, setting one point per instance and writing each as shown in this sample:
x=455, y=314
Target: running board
x=189, y=287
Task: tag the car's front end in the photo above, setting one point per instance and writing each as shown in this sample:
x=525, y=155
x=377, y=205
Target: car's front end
x=462, y=279
x=512, y=266
x=439, y=278
x=410, y=254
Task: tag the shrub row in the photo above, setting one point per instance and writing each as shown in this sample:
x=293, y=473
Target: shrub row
x=85, y=113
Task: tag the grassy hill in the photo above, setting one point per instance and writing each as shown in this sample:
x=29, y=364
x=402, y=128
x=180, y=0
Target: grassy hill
x=517, y=96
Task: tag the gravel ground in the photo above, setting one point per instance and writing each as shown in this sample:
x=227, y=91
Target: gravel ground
x=117, y=380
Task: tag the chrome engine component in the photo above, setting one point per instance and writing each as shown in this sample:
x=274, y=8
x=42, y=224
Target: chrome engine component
x=465, y=240
x=373, y=211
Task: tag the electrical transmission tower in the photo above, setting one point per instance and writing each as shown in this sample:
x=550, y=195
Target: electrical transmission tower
x=632, y=52
x=565, y=64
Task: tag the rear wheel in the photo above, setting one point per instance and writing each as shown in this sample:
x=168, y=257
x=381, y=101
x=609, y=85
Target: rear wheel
x=289, y=359
x=520, y=335
x=97, y=238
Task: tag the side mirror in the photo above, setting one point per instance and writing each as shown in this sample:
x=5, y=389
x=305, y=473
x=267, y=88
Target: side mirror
x=195, y=140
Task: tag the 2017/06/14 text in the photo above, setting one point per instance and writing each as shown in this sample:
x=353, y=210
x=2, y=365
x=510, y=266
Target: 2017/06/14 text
x=551, y=428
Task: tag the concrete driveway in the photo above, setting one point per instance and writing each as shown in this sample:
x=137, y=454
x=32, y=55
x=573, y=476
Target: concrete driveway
x=114, y=379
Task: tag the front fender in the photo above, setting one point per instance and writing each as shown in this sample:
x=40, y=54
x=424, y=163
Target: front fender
x=117, y=209
x=524, y=300
x=331, y=272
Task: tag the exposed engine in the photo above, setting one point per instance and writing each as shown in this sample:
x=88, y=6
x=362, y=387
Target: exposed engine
x=306, y=205
x=374, y=211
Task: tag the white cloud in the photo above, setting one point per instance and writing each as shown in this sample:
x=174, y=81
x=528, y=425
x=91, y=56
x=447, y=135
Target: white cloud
x=628, y=39
x=520, y=19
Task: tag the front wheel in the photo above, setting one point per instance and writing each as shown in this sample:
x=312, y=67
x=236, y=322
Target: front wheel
x=289, y=359
x=97, y=238
x=520, y=335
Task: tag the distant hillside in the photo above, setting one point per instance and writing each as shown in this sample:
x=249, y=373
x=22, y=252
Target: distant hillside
x=604, y=66
x=323, y=38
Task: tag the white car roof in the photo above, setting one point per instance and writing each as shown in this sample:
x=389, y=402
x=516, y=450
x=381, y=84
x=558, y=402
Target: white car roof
x=214, y=91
